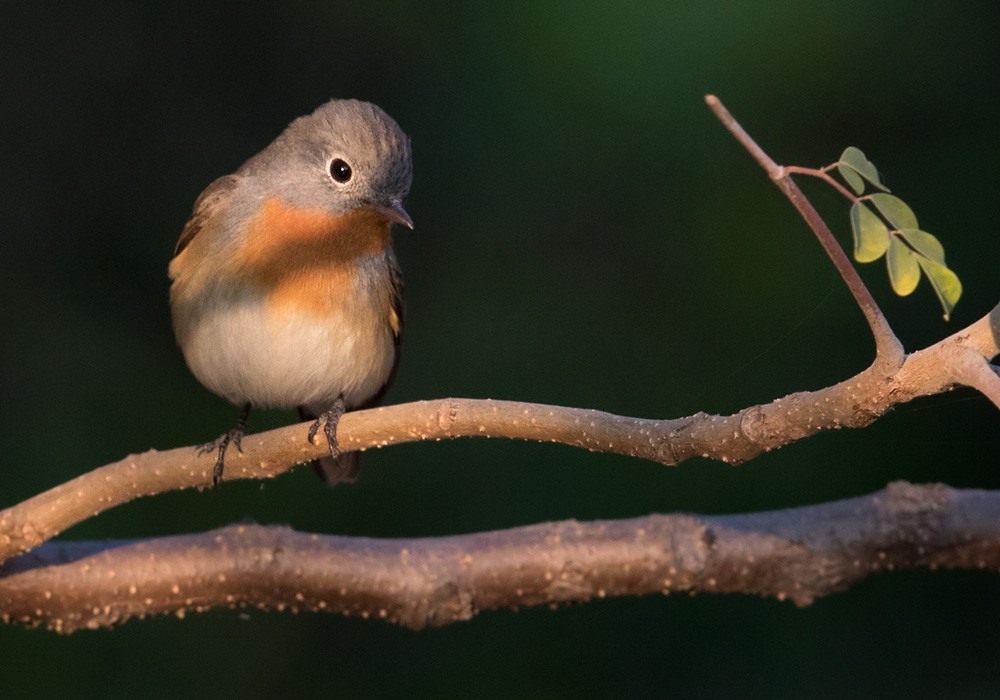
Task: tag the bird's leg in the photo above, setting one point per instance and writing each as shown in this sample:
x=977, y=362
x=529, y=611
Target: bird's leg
x=329, y=420
x=235, y=436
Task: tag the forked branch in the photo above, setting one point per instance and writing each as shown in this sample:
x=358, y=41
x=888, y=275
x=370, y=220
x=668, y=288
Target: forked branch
x=798, y=554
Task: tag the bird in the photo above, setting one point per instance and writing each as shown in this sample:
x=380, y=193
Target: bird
x=285, y=291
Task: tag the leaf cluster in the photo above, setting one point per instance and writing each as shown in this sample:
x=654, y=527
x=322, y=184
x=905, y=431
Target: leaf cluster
x=884, y=224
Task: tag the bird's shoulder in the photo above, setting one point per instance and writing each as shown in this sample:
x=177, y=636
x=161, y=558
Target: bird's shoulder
x=210, y=202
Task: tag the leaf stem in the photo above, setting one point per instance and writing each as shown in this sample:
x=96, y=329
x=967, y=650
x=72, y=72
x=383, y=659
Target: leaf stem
x=825, y=176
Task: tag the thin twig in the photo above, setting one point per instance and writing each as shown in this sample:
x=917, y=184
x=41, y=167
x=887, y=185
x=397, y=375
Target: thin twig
x=888, y=348
x=823, y=175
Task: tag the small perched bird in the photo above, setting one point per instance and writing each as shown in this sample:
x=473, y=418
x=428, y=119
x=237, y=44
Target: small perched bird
x=285, y=291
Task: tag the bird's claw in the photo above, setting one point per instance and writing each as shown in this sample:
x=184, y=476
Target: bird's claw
x=232, y=436
x=329, y=420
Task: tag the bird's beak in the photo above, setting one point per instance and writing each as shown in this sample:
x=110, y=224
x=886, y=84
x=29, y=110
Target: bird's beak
x=394, y=212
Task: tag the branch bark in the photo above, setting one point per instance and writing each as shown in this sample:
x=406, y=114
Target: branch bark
x=799, y=554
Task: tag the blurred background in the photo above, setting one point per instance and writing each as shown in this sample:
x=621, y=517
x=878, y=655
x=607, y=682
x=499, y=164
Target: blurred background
x=587, y=235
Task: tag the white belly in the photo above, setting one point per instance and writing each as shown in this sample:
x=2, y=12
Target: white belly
x=245, y=352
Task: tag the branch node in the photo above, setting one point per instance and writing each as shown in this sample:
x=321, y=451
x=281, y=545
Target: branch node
x=753, y=425
x=862, y=417
x=665, y=452
x=904, y=497
x=446, y=416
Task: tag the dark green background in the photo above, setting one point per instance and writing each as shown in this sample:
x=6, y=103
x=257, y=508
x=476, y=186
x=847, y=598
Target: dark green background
x=588, y=235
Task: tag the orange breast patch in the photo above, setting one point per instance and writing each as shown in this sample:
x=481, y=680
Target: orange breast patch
x=305, y=257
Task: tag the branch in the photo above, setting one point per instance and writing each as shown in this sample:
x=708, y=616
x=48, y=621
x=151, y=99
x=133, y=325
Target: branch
x=799, y=554
x=733, y=439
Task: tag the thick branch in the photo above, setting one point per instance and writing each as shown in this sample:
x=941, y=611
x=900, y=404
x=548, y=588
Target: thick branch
x=733, y=439
x=799, y=554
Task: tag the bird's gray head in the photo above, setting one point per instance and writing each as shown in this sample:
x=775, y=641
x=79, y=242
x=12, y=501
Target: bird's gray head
x=345, y=155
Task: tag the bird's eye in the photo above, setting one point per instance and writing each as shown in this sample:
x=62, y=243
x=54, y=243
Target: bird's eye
x=340, y=171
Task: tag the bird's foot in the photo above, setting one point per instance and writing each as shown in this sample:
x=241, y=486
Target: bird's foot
x=232, y=436
x=329, y=420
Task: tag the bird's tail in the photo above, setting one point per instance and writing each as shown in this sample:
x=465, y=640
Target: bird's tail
x=343, y=470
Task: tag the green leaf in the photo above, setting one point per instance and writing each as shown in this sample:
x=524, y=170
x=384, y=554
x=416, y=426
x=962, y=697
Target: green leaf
x=871, y=236
x=904, y=270
x=894, y=210
x=924, y=243
x=945, y=283
x=852, y=164
x=852, y=178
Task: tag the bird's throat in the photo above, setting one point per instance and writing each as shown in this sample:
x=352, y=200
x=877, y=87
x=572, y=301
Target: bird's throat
x=283, y=235
x=308, y=258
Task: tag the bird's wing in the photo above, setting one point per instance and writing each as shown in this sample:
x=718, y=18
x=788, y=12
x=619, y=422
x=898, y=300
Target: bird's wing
x=396, y=318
